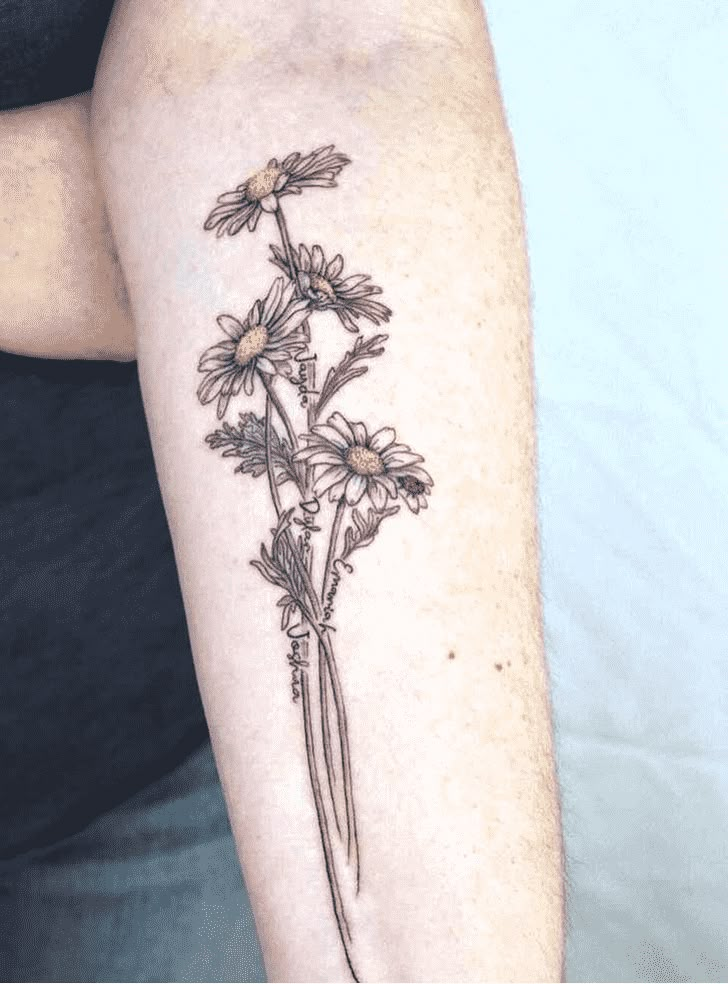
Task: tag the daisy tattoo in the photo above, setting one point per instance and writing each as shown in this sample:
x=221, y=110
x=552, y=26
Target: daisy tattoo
x=332, y=481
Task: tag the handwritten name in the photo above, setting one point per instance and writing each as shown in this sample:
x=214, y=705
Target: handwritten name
x=330, y=596
x=301, y=380
x=297, y=658
x=310, y=509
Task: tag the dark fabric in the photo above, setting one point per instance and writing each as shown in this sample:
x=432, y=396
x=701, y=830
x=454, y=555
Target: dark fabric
x=151, y=891
x=99, y=695
x=49, y=48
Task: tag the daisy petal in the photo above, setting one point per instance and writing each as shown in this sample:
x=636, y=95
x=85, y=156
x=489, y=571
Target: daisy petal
x=317, y=457
x=333, y=436
x=378, y=495
x=231, y=326
x=355, y=489
x=360, y=433
x=399, y=460
x=389, y=484
x=222, y=405
x=317, y=260
x=265, y=365
x=249, y=376
x=382, y=439
x=337, y=491
x=331, y=476
x=342, y=425
x=335, y=267
x=236, y=197
x=351, y=282
x=271, y=302
x=305, y=258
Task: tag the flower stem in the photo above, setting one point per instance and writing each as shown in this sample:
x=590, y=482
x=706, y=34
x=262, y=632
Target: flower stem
x=312, y=618
x=324, y=680
x=314, y=615
x=281, y=410
x=326, y=654
x=275, y=494
x=333, y=542
x=344, y=931
x=286, y=241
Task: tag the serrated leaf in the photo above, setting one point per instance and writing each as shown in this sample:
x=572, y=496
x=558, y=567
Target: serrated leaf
x=365, y=529
x=247, y=442
x=349, y=368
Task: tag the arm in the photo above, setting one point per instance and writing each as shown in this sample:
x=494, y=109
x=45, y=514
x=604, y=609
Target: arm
x=62, y=293
x=426, y=844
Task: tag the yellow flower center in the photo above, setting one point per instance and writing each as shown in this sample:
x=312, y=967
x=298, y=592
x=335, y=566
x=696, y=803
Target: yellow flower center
x=251, y=344
x=323, y=286
x=364, y=461
x=262, y=183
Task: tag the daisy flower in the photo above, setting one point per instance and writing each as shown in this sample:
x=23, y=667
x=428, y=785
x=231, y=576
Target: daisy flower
x=326, y=289
x=260, y=192
x=352, y=463
x=266, y=342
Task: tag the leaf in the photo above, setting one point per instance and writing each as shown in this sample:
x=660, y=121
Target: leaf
x=282, y=565
x=365, y=528
x=349, y=368
x=290, y=610
x=247, y=442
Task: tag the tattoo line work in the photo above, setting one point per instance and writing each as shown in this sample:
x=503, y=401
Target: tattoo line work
x=363, y=474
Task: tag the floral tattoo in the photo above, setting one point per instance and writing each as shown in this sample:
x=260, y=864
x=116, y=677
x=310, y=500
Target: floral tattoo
x=331, y=482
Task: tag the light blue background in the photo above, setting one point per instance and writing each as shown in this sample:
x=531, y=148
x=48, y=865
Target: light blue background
x=617, y=111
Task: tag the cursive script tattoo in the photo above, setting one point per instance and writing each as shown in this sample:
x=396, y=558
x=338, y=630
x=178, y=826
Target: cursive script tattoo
x=333, y=482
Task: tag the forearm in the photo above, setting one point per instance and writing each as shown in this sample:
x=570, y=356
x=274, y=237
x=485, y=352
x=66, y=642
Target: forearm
x=432, y=644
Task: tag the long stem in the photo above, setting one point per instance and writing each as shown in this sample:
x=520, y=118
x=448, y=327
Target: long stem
x=275, y=494
x=326, y=655
x=325, y=644
x=325, y=647
x=323, y=674
x=280, y=409
x=286, y=241
x=333, y=673
x=341, y=921
x=333, y=542
x=344, y=931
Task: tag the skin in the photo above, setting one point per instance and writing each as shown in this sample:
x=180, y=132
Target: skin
x=445, y=675
x=62, y=291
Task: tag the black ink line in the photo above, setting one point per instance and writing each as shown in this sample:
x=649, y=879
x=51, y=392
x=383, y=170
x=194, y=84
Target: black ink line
x=276, y=332
x=323, y=685
x=330, y=662
x=285, y=419
x=344, y=931
x=275, y=494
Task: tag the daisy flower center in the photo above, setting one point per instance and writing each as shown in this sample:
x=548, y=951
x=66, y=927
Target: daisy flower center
x=323, y=287
x=364, y=461
x=251, y=344
x=262, y=183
